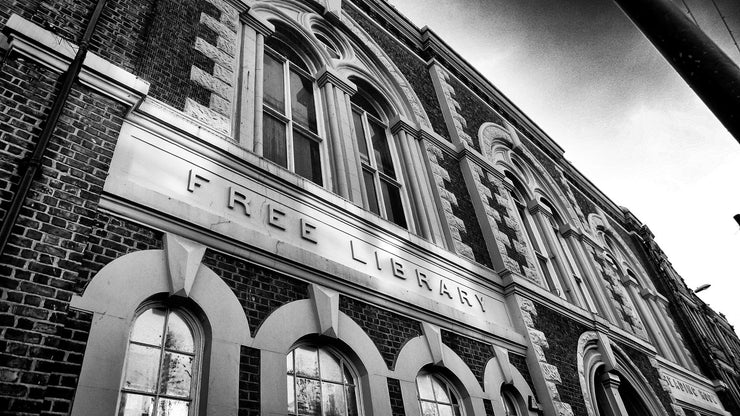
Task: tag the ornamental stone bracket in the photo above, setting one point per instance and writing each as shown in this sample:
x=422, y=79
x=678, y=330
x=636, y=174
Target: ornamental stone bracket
x=183, y=260
x=538, y=343
x=326, y=307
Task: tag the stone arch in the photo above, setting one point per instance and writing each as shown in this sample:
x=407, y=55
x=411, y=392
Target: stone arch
x=496, y=378
x=113, y=296
x=294, y=321
x=595, y=353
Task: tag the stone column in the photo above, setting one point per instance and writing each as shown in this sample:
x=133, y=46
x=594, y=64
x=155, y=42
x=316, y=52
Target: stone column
x=615, y=406
x=336, y=90
x=251, y=75
x=405, y=135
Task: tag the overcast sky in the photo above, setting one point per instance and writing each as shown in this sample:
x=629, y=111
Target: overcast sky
x=583, y=72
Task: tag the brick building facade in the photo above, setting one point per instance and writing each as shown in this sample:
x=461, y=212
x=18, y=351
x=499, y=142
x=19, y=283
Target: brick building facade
x=312, y=207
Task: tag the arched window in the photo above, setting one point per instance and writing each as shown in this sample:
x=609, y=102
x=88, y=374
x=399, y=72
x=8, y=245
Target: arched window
x=436, y=396
x=534, y=235
x=162, y=369
x=511, y=408
x=381, y=179
x=320, y=382
x=290, y=124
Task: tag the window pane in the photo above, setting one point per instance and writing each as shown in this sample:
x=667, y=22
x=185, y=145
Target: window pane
x=301, y=101
x=348, y=379
x=445, y=410
x=330, y=369
x=360, y=136
x=149, y=327
x=274, y=90
x=306, y=362
x=424, y=384
x=307, y=158
x=291, y=395
x=141, y=368
x=428, y=409
x=289, y=362
x=177, y=373
x=381, y=149
x=308, y=395
x=136, y=405
x=169, y=407
x=372, y=195
x=440, y=392
x=351, y=401
x=333, y=399
x=393, y=204
x=275, y=147
x=179, y=336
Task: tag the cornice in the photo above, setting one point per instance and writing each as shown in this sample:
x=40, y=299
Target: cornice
x=328, y=75
x=56, y=53
x=257, y=23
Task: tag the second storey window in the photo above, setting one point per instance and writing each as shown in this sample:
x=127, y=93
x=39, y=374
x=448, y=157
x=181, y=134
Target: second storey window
x=291, y=136
x=380, y=176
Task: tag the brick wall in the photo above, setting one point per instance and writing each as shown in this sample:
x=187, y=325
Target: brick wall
x=65, y=18
x=259, y=290
x=471, y=235
x=122, y=30
x=475, y=354
x=474, y=110
x=41, y=265
x=249, y=382
x=394, y=391
x=562, y=337
x=389, y=331
x=520, y=363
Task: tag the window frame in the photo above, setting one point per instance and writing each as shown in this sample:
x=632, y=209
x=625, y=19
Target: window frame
x=199, y=350
x=344, y=364
x=371, y=166
x=456, y=402
x=287, y=119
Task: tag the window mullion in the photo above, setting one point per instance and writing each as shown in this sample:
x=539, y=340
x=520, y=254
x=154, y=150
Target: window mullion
x=161, y=360
x=289, y=116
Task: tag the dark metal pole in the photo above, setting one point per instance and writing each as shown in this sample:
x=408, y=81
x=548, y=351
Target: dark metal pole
x=713, y=76
x=34, y=163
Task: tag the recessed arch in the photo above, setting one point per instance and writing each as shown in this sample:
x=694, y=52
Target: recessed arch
x=114, y=295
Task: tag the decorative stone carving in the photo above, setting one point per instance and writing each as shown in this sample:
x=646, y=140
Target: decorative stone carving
x=183, y=260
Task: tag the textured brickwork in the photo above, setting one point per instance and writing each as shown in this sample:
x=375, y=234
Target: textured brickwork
x=249, y=382
x=509, y=235
x=260, y=290
x=412, y=67
x=41, y=264
x=120, y=34
x=389, y=331
x=65, y=18
x=489, y=407
x=646, y=368
x=520, y=363
x=394, y=391
x=168, y=52
x=470, y=233
x=111, y=238
x=562, y=338
x=474, y=110
x=474, y=353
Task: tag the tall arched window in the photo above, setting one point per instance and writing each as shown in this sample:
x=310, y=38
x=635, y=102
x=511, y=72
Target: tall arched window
x=535, y=237
x=381, y=179
x=436, y=396
x=162, y=365
x=291, y=135
x=320, y=382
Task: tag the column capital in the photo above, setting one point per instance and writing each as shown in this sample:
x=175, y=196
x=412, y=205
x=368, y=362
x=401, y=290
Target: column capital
x=329, y=76
x=567, y=231
x=610, y=380
x=401, y=123
x=647, y=293
x=259, y=24
x=628, y=280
